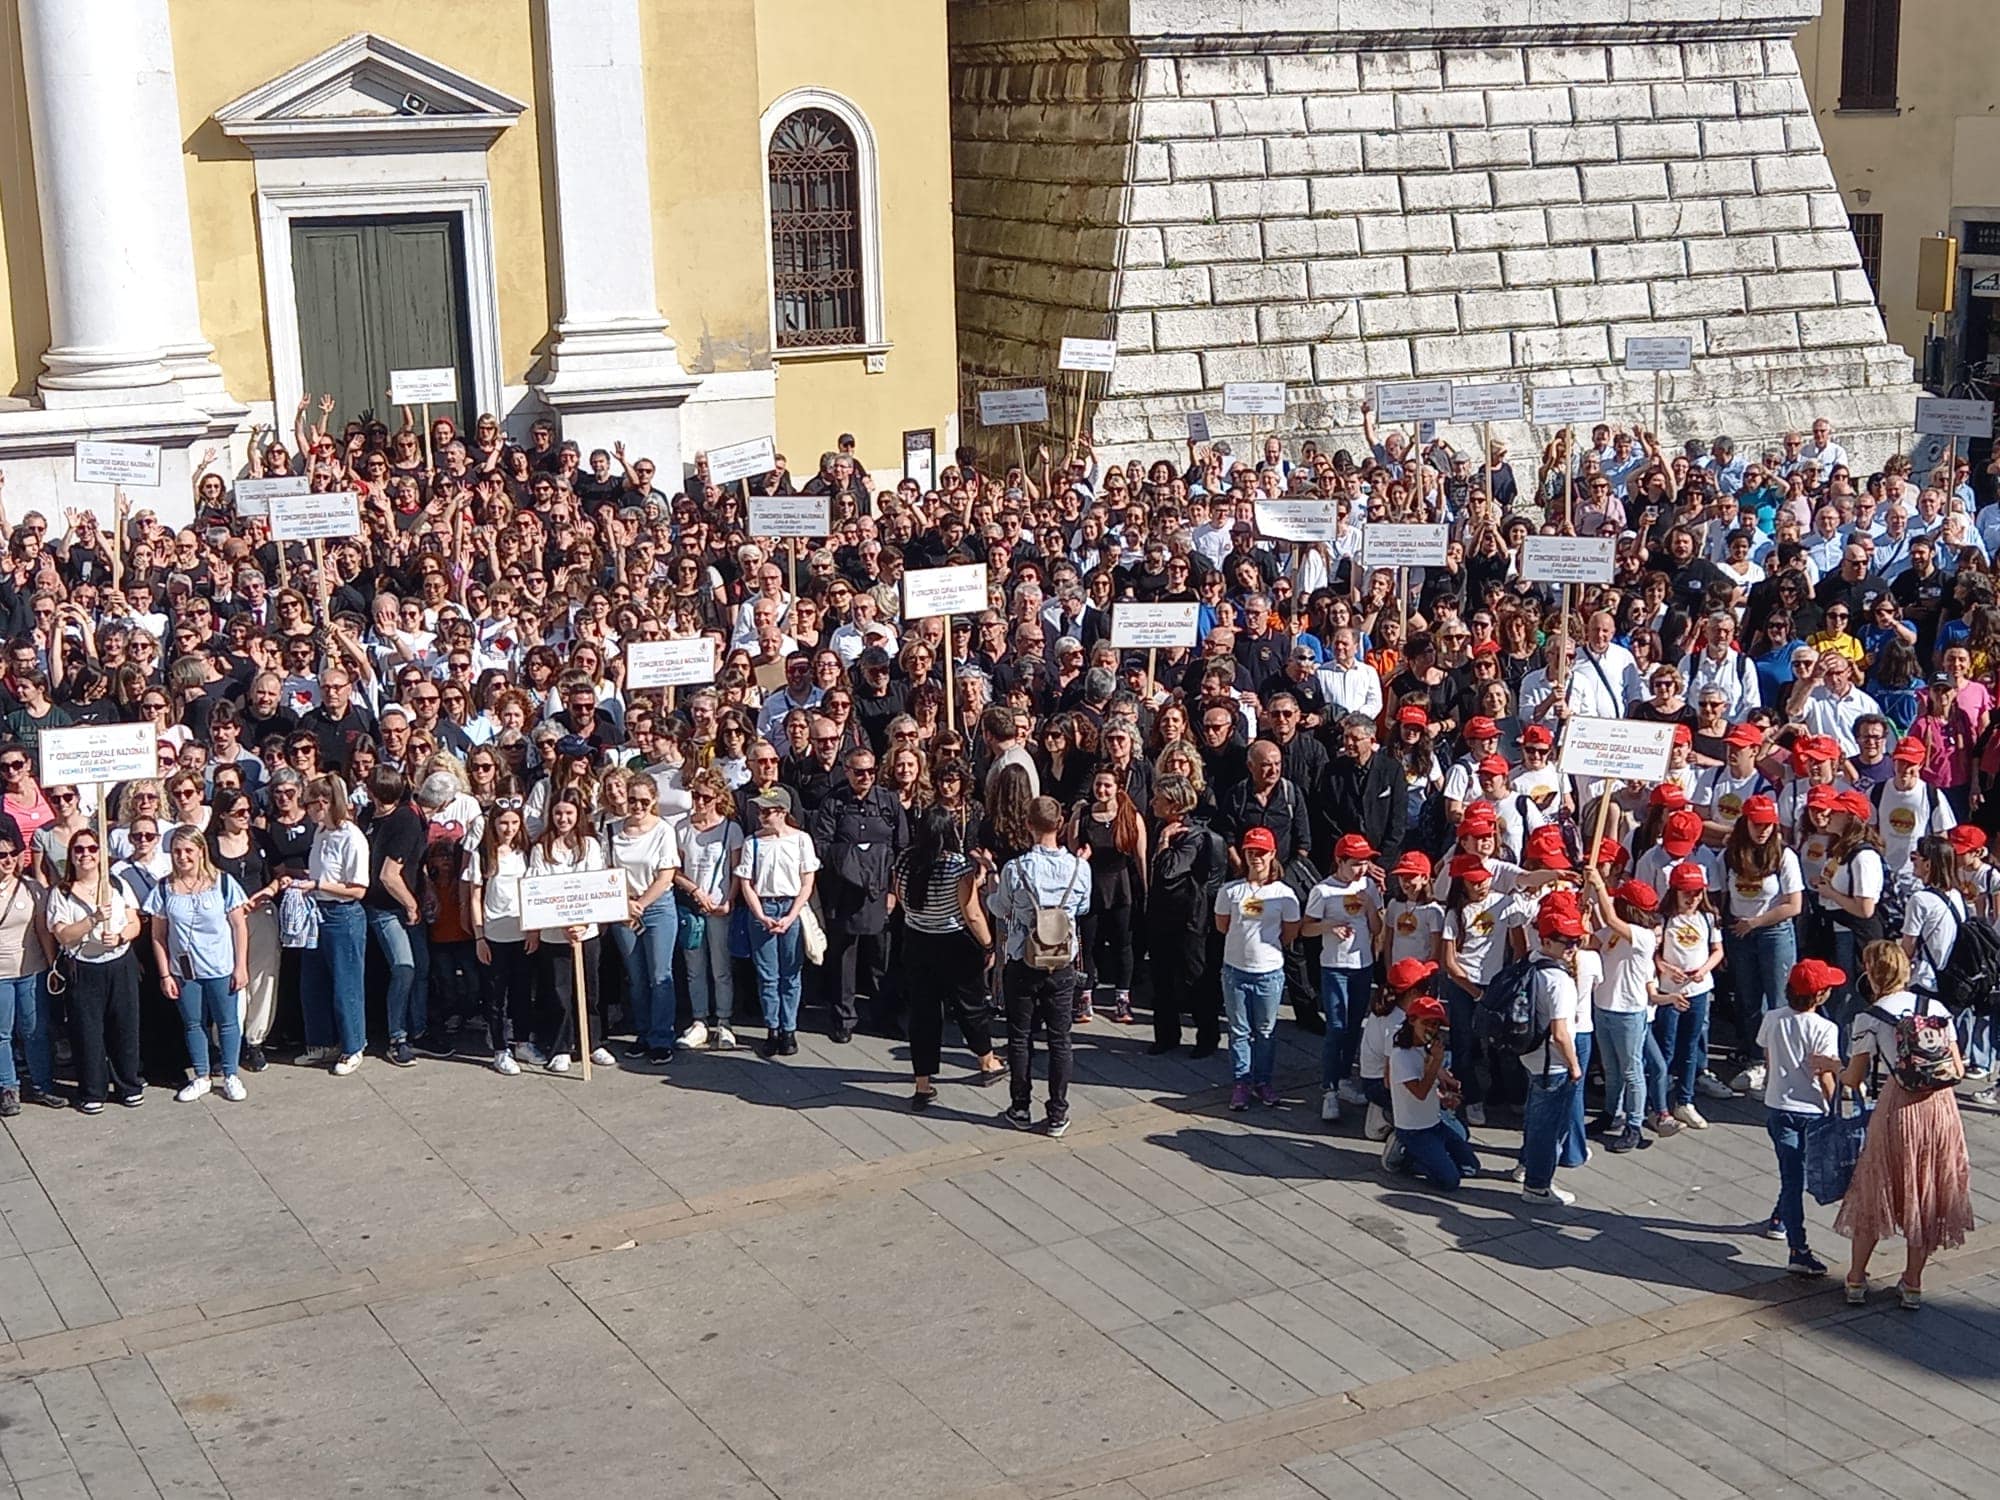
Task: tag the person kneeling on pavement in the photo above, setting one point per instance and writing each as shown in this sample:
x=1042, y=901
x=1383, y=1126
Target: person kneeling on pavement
x=1422, y=1096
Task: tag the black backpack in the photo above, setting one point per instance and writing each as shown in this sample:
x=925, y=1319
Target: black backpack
x=1505, y=1017
x=1970, y=975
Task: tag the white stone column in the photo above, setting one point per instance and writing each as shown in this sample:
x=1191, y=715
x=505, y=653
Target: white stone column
x=103, y=110
x=612, y=353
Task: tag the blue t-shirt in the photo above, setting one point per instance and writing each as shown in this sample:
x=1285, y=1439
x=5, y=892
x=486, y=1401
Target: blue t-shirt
x=199, y=944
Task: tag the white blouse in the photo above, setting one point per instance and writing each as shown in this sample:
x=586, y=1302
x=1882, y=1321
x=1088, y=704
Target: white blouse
x=339, y=854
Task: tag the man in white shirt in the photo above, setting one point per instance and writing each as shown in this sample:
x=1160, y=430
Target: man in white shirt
x=770, y=588
x=1582, y=692
x=1348, y=684
x=1210, y=533
x=1823, y=450
x=1720, y=665
x=1834, y=703
x=1603, y=658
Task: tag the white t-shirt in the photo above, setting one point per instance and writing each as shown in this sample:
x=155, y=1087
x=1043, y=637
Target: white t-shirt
x=776, y=867
x=1589, y=980
x=339, y=854
x=65, y=910
x=1406, y=1066
x=1349, y=904
x=1813, y=850
x=1518, y=817
x=1255, y=940
x=1628, y=972
x=1932, y=918
x=1479, y=932
x=1555, y=1000
x=643, y=855
x=1859, y=876
x=1788, y=1038
x=1904, y=817
x=1748, y=897
x=1686, y=940
x=500, y=897
x=1412, y=931
x=565, y=860
x=1874, y=1038
x=708, y=856
x=1372, y=1054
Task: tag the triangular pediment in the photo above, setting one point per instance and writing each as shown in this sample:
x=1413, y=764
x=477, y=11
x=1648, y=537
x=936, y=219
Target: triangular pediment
x=369, y=93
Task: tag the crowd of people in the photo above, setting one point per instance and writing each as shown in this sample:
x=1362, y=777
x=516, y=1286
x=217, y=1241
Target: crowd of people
x=1345, y=796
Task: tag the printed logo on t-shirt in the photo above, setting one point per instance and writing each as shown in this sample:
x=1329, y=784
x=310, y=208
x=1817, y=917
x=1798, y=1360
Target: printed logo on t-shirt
x=1406, y=923
x=1730, y=806
x=1352, y=905
x=1903, y=821
x=1482, y=923
x=1816, y=846
x=1687, y=934
x=1750, y=890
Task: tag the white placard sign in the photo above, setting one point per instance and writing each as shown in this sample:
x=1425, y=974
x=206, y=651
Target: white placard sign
x=301, y=518
x=1146, y=627
x=574, y=900
x=253, y=496
x=136, y=464
x=1951, y=419
x=1253, y=398
x=423, y=387
x=1566, y=405
x=1028, y=403
x=93, y=753
x=1298, y=520
x=1197, y=426
x=1414, y=401
x=1569, y=559
x=1097, y=355
x=742, y=461
x=944, y=591
x=1659, y=353
x=1487, y=403
x=791, y=515
x=657, y=664
x=1621, y=749
x=1384, y=545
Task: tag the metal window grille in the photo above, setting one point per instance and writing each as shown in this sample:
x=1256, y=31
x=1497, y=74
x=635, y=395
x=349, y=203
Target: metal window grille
x=1868, y=239
x=816, y=232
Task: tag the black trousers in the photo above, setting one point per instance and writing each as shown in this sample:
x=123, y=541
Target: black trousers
x=1107, y=947
x=939, y=971
x=507, y=985
x=559, y=981
x=1048, y=997
x=104, y=1027
x=1185, y=986
x=855, y=964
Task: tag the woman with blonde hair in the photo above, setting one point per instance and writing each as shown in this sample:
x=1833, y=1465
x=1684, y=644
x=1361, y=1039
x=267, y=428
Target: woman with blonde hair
x=1914, y=1178
x=203, y=947
x=567, y=847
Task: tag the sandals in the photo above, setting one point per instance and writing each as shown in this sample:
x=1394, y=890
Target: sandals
x=921, y=1099
x=1857, y=1293
x=1910, y=1298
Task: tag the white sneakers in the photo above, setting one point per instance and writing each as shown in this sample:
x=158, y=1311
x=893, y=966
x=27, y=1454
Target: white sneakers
x=696, y=1036
x=1709, y=1086
x=1350, y=1092
x=233, y=1090
x=503, y=1062
x=1549, y=1195
x=1749, y=1081
x=1689, y=1116
x=559, y=1063
x=347, y=1065
x=1475, y=1114
x=600, y=1057
x=194, y=1090
x=530, y=1054
x=1394, y=1154
x=1376, y=1126
x=1329, y=1106
x=316, y=1057
x=722, y=1039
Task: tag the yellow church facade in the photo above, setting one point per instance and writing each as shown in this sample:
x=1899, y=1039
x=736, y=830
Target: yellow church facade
x=676, y=223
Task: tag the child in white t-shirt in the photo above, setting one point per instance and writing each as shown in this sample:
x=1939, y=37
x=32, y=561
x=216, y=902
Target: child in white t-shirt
x=1344, y=911
x=1412, y=921
x=1796, y=1092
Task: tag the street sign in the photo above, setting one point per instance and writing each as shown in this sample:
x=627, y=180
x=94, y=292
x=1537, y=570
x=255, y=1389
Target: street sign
x=1414, y=401
x=1567, y=405
x=1487, y=403
x=580, y=898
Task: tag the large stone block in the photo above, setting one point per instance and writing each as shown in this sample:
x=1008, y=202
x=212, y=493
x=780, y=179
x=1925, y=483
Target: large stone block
x=1314, y=73
x=1176, y=119
x=1540, y=185
x=1406, y=151
x=1822, y=249
x=1741, y=254
x=1483, y=310
x=1231, y=242
x=1440, y=273
x=1546, y=267
x=1313, y=155
x=1590, y=223
x=1204, y=327
x=1767, y=212
x=1272, y=281
x=1826, y=327
x=1201, y=161
x=1682, y=216
x=1694, y=101
x=1464, y=108
x=1817, y=289
x=1646, y=61
x=1640, y=262
x=1358, y=276
x=1385, y=235
x=1291, y=363
x=1623, y=303
x=1262, y=198
x=1249, y=115
x=1698, y=297
x=1307, y=322
x=1351, y=112
x=1413, y=68
x=1793, y=174
x=1484, y=67
x=1479, y=351
x=1409, y=315
x=1562, y=348
x=1168, y=286
x=1222, y=75
x=1676, y=140
x=1568, y=64
x=1447, y=190
x=1625, y=184
x=1753, y=334
x=1528, y=106
x=1360, y=193
x=1556, y=145
x=1310, y=239
x=1171, y=203
x=1502, y=230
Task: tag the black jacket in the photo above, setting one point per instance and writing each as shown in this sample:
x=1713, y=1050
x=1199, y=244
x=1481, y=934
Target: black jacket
x=859, y=835
x=1371, y=800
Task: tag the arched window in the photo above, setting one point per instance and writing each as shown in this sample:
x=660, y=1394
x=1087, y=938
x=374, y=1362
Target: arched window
x=824, y=247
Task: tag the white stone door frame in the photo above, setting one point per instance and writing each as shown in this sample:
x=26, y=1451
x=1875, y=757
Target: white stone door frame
x=279, y=207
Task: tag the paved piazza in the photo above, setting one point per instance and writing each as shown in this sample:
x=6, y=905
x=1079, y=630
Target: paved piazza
x=769, y=1280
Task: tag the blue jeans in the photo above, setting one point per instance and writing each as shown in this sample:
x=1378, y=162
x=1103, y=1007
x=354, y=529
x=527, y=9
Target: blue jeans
x=204, y=1003
x=1788, y=1138
x=648, y=956
x=779, y=957
x=407, y=950
x=1758, y=967
x=24, y=1011
x=1551, y=1096
x=333, y=976
x=711, y=979
x=1250, y=1002
x=1683, y=1039
x=1975, y=1039
x=1574, y=1150
x=1441, y=1155
x=1621, y=1039
x=1656, y=1072
x=1343, y=999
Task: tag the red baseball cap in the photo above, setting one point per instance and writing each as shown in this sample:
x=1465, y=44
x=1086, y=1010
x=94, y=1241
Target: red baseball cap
x=1424, y=1007
x=1482, y=728
x=1824, y=797
x=1688, y=877
x=1494, y=765
x=1353, y=846
x=1808, y=748
x=1760, y=809
x=1910, y=751
x=1744, y=736
x=1415, y=862
x=1638, y=893
x=1260, y=838
x=1855, y=803
x=1681, y=832
x=1669, y=794
x=1487, y=647
x=1537, y=734
x=1611, y=852
x=1683, y=735
x=1479, y=818
x=1468, y=867
x=1408, y=973
x=1966, y=839
x=1556, y=920
x=1811, y=975
x=1546, y=853
x=1413, y=714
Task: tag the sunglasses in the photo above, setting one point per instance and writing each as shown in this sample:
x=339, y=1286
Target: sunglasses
x=507, y=804
x=13, y=765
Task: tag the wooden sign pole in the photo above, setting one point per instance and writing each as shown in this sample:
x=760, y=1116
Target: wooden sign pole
x=103, y=851
x=1486, y=439
x=951, y=677
x=582, y=1008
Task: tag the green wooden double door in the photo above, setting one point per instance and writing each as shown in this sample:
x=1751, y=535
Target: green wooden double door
x=381, y=294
